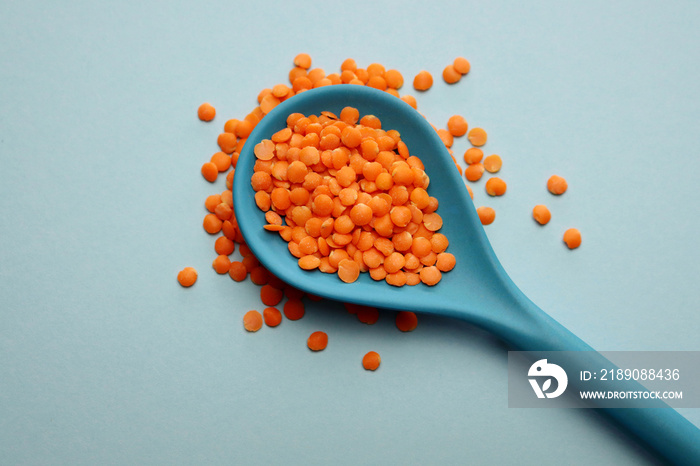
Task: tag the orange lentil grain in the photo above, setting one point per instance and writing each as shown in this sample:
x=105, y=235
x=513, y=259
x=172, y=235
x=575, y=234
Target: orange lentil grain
x=210, y=171
x=394, y=79
x=317, y=341
x=495, y=186
x=227, y=197
x=457, y=125
x=477, y=137
x=377, y=82
x=222, y=161
x=541, y=214
x=252, y=321
x=349, y=115
x=397, y=279
x=432, y=221
x=432, y=205
x=259, y=275
x=250, y=262
x=376, y=69
x=348, y=270
x=412, y=278
x=316, y=74
x=486, y=214
x=474, y=171
x=556, y=185
x=430, y=275
x=223, y=211
x=280, y=90
x=303, y=60
x=224, y=246
x=272, y=316
x=492, y=163
x=309, y=262
x=301, y=83
x=445, y=261
x=230, y=125
x=348, y=64
x=423, y=81
x=461, y=65
x=421, y=246
x=187, y=277
x=212, y=201
x=221, y=264
x=244, y=128
x=450, y=75
x=367, y=314
x=270, y=296
x=446, y=137
x=429, y=259
x=245, y=250
x=206, y=112
x=377, y=273
x=362, y=75
x=371, y=361
x=237, y=271
x=406, y=321
x=439, y=243
x=410, y=100
x=293, y=309
x=212, y=224
x=473, y=155
x=227, y=142
x=572, y=238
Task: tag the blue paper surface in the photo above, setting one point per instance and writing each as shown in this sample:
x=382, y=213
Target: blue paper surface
x=105, y=359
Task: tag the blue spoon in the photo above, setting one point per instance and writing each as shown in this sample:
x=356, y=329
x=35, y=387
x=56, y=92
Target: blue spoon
x=478, y=290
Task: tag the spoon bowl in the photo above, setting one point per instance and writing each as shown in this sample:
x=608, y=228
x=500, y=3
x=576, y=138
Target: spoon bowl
x=477, y=290
x=477, y=271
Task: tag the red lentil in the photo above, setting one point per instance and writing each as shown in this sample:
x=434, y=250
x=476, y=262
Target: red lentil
x=557, y=185
x=371, y=361
x=252, y=321
x=572, y=238
x=206, y=112
x=406, y=321
x=423, y=81
x=187, y=277
x=541, y=214
x=317, y=341
x=272, y=316
x=486, y=214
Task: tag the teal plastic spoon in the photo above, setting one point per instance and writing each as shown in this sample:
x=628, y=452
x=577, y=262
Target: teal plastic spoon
x=478, y=290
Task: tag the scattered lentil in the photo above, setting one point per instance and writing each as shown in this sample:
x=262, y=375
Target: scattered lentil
x=317, y=341
x=206, y=112
x=187, y=277
x=423, y=81
x=572, y=238
x=371, y=361
x=486, y=214
x=493, y=163
x=541, y=214
x=272, y=316
x=406, y=321
x=556, y=185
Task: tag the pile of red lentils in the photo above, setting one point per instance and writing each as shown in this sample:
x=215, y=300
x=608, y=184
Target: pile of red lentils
x=220, y=218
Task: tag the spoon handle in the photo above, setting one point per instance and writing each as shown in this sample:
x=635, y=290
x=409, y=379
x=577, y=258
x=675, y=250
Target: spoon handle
x=661, y=428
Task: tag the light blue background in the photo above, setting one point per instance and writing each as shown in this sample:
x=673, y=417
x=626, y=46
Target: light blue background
x=104, y=359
